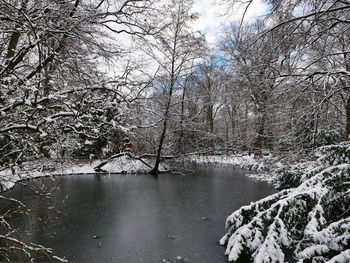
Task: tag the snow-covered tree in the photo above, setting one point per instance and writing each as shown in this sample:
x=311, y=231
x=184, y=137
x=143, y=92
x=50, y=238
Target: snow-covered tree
x=52, y=76
x=57, y=94
x=173, y=51
x=256, y=65
x=309, y=219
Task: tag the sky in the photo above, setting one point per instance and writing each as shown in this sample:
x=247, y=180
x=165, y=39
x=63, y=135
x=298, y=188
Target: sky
x=212, y=15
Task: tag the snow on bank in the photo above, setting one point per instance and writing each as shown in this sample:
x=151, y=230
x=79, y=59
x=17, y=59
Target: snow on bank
x=242, y=161
x=264, y=165
x=30, y=170
x=126, y=164
x=47, y=167
x=122, y=164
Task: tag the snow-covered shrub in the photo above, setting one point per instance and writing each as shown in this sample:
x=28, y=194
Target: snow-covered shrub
x=294, y=175
x=331, y=134
x=311, y=221
x=334, y=154
x=306, y=138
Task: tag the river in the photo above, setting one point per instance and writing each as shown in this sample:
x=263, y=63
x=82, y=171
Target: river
x=131, y=218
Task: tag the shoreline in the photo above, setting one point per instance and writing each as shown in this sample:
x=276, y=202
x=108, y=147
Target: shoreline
x=51, y=167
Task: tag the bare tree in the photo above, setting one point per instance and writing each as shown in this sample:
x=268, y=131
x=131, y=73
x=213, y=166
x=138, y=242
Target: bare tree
x=173, y=50
x=319, y=75
x=258, y=65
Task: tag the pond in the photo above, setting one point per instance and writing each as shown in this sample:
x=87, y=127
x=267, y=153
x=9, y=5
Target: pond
x=139, y=218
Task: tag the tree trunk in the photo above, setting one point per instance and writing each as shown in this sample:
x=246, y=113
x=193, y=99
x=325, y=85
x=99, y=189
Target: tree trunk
x=210, y=119
x=155, y=171
x=244, y=129
x=347, y=106
x=182, y=119
x=260, y=138
x=210, y=123
x=348, y=118
x=14, y=38
x=161, y=141
x=12, y=46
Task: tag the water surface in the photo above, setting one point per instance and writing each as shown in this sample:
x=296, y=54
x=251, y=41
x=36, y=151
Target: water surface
x=140, y=218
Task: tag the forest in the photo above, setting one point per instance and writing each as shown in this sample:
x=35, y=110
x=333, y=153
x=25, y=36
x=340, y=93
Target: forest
x=86, y=79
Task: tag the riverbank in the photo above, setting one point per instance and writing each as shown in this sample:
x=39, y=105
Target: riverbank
x=125, y=164
x=50, y=167
x=42, y=168
x=264, y=167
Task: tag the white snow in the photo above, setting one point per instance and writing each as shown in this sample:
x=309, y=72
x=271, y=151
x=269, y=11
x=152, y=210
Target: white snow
x=87, y=142
x=31, y=170
x=242, y=161
x=343, y=257
x=124, y=164
x=266, y=226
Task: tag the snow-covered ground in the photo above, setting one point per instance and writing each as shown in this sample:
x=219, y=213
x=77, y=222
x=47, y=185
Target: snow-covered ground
x=242, y=161
x=49, y=167
x=264, y=166
x=35, y=169
x=123, y=164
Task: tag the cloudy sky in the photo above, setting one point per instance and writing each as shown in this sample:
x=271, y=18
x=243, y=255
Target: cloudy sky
x=212, y=15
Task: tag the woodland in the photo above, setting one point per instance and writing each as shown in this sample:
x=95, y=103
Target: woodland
x=85, y=79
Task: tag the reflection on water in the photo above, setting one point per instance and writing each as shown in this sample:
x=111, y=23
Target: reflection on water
x=140, y=218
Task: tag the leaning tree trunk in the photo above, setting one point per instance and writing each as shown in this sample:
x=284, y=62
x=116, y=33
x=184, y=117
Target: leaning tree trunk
x=161, y=140
x=155, y=170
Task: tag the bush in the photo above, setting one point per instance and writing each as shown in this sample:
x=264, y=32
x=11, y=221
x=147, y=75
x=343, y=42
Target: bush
x=310, y=217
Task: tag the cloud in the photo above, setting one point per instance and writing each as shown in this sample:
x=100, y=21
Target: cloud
x=213, y=15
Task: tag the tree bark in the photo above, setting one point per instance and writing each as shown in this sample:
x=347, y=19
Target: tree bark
x=167, y=109
x=182, y=119
x=162, y=136
x=12, y=46
x=347, y=106
x=260, y=136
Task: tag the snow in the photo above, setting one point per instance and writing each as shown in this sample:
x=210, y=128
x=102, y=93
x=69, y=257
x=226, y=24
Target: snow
x=342, y=257
x=30, y=170
x=33, y=170
x=43, y=134
x=268, y=226
x=123, y=129
x=126, y=165
x=242, y=161
x=263, y=165
x=298, y=217
x=48, y=120
x=87, y=142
